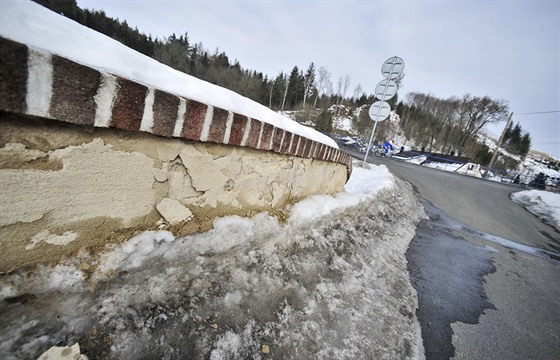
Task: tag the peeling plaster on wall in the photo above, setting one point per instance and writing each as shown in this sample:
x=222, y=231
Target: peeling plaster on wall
x=21, y=151
x=54, y=239
x=173, y=211
x=180, y=183
x=103, y=185
x=95, y=181
x=17, y=156
x=280, y=194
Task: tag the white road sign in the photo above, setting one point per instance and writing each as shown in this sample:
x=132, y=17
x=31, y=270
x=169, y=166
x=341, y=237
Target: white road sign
x=385, y=89
x=379, y=111
x=392, y=68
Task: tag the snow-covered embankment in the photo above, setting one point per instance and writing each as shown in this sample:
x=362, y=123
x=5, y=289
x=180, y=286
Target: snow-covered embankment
x=329, y=282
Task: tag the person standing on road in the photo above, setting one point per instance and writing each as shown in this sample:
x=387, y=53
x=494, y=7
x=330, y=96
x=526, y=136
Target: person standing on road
x=388, y=145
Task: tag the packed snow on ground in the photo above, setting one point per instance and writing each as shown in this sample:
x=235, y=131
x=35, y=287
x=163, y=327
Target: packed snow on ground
x=31, y=24
x=329, y=282
x=544, y=204
x=343, y=123
x=443, y=166
x=531, y=167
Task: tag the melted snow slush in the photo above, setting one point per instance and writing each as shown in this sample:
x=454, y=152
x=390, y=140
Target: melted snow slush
x=448, y=273
x=334, y=287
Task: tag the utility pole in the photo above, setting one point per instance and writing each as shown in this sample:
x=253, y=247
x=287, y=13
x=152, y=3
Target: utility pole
x=491, y=165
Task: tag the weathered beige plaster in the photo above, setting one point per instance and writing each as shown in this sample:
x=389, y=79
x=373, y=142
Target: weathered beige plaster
x=95, y=186
x=95, y=181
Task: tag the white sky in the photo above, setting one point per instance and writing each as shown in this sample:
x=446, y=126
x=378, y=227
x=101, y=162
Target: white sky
x=503, y=49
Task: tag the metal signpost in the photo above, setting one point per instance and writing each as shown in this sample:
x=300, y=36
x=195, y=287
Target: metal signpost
x=391, y=69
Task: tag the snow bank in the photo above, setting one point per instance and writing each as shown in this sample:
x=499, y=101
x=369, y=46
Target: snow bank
x=543, y=204
x=362, y=185
x=31, y=24
x=331, y=282
x=452, y=167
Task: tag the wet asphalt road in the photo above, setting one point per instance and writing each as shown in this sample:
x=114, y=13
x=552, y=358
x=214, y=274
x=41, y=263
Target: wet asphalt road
x=487, y=272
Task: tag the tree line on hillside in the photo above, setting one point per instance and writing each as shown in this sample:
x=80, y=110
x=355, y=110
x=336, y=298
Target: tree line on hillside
x=295, y=90
x=452, y=126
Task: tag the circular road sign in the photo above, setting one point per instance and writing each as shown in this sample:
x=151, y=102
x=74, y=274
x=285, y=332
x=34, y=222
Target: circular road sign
x=379, y=111
x=387, y=88
x=392, y=68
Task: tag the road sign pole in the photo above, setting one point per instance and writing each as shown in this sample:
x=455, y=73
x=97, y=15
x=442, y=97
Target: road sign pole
x=378, y=114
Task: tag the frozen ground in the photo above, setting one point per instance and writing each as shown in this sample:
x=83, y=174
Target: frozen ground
x=329, y=282
x=544, y=204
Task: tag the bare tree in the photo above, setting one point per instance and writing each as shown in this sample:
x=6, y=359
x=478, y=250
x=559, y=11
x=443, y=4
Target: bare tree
x=286, y=85
x=341, y=89
x=357, y=92
x=475, y=112
x=323, y=83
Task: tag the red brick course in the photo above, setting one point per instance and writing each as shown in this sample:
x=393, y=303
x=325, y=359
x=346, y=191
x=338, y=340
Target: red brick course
x=218, y=126
x=253, y=138
x=129, y=105
x=74, y=89
x=286, y=144
x=194, y=120
x=277, y=140
x=266, y=136
x=74, y=95
x=238, y=129
x=13, y=76
x=165, y=109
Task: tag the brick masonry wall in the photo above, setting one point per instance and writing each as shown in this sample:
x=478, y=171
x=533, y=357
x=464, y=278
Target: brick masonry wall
x=36, y=83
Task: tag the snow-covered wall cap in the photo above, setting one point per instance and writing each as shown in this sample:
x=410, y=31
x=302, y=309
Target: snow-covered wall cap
x=37, y=83
x=37, y=27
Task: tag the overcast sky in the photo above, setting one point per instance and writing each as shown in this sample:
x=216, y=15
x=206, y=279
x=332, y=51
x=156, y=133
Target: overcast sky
x=504, y=49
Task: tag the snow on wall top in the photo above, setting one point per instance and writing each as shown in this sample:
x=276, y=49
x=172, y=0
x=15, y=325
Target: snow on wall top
x=37, y=27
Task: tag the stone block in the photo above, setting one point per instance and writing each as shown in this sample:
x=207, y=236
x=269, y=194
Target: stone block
x=13, y=76
x=165, y=110
x=74, y=88
x=218, y=125
x=194, y=120
x=129, y=105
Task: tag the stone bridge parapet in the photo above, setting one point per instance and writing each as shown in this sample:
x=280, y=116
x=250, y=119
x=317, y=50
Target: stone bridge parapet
x=88, y=157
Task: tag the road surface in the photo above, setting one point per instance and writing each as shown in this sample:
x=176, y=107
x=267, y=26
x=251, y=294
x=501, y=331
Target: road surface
x=479, y=299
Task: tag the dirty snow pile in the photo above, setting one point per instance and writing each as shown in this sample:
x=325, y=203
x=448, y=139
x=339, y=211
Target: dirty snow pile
x=331, y=282
x=36, y=26
x=543, y=204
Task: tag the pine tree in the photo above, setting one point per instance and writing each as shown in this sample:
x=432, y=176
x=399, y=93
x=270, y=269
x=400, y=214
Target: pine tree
x=525, y=145
x=296, y=88
x=324, y=122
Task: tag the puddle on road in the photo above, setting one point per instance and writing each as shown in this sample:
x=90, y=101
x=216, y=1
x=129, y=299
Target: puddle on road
x=448, y=273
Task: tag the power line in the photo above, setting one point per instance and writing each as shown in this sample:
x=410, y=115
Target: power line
x=539, y=112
